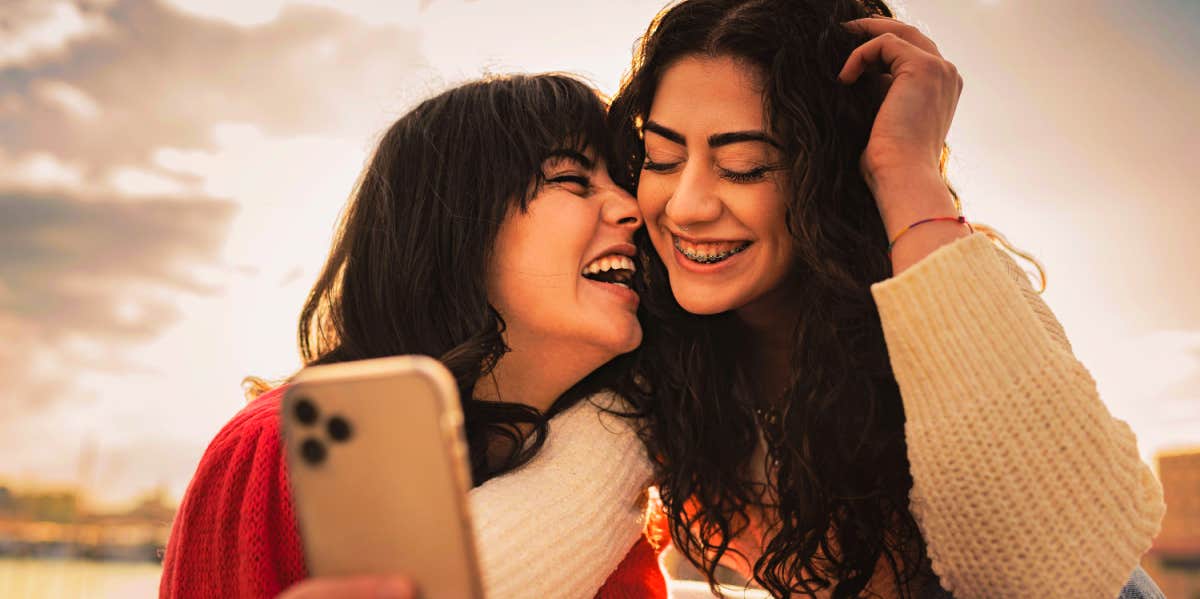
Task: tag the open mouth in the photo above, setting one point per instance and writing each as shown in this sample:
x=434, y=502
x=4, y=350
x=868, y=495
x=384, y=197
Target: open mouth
x=613, y=269
x=709, y=252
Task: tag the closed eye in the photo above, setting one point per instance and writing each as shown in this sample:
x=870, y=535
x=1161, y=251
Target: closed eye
x=576, y=179
x=751, y=176
x=659, y=167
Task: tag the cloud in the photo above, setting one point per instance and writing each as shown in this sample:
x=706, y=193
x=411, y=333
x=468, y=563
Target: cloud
x=80, y=279
x=100, y=241
x=139, y=182
x=159, y=77
x=38, y=170
x=37, y=30
x=235, y=12
x=71, y=100
x=261, y=12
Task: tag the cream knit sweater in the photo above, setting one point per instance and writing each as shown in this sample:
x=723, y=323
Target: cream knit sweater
x=560, y=524
x=1023, y=484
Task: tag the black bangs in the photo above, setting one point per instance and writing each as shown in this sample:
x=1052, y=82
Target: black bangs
x=572, y=117
x=531, y=117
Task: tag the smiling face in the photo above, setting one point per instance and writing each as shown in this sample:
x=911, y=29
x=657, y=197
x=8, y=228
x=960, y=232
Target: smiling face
x=712, y=186
x=559, y=271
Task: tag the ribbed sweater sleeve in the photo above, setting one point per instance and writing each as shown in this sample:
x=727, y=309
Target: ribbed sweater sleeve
x=1023, y=483
x=559, y=525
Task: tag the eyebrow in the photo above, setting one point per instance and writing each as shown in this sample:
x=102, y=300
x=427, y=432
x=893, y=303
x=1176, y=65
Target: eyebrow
x=714, y=141
x=584, y=161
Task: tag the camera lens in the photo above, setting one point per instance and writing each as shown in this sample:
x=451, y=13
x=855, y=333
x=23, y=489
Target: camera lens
x=313, y=451
x=339, y=429
x=305, y=411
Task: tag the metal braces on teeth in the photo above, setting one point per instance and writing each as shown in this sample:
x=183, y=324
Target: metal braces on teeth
x=711, y=259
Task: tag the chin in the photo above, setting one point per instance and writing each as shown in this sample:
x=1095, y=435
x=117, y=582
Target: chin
x=623, y=342
x=705, y=304
x=635, y=339
x=628, y=342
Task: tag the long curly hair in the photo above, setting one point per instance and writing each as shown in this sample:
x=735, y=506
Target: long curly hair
x=836, y=454
x=406, y=273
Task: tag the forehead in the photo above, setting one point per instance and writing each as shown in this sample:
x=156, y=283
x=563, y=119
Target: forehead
x=709, y=94
x=584, y=156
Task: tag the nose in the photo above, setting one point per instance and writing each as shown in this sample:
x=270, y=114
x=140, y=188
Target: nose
x=694, y=199
x=621, y=209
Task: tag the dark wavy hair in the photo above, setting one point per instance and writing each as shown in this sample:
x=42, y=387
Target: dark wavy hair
x=836, y=451
x=406, y=273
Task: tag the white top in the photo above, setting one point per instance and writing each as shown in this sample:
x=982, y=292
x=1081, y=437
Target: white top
x=559, y=525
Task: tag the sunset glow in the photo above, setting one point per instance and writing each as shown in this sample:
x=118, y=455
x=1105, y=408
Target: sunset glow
x=171, y=172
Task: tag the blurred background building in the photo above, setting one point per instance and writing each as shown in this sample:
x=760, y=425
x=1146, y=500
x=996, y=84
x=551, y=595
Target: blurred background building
x=1174, y=561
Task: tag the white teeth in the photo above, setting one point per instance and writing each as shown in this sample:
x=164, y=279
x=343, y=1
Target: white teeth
x=610, y=262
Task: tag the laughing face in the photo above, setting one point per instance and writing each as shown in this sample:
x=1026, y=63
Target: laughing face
x=560, y=272
x=711, y=188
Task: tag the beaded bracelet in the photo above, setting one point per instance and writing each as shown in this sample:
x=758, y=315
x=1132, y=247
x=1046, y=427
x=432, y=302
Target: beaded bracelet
x=957, y=219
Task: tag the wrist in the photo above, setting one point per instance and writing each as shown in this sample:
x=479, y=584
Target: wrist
x=918, y=243
x=904, y=198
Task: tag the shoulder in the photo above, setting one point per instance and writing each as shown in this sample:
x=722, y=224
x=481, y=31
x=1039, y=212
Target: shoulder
x=605, y=410
x=257, y=422
x=236, y=512
x=249, y=442
x=248, y=447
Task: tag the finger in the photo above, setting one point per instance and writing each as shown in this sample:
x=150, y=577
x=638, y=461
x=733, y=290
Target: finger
x=877, y=26
x=887, y=50
x=352, y=588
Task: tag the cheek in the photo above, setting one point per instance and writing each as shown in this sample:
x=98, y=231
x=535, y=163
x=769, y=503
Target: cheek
x=652, y=195
x=536, y=257
x=765, y=213
x=510, y=266
x=775, y=227
x=500, y=283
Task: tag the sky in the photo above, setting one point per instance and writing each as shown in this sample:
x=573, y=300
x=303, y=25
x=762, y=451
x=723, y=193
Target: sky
x=171, y=172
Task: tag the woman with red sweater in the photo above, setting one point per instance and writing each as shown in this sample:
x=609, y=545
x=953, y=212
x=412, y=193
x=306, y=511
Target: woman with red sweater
x=484, y=231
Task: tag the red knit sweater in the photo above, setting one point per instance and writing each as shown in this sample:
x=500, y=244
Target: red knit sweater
x=236, y=535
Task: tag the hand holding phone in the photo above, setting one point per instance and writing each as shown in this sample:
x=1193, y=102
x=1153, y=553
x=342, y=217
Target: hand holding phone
x=376, y=462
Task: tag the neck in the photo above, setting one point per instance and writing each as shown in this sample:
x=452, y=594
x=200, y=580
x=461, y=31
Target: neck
x=537, y=372
x=771, y=322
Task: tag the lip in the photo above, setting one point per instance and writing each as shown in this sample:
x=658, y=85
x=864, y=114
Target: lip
x=707, y=269
x=626, y=295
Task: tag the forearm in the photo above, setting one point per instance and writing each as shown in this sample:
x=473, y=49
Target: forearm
x=1021, y=478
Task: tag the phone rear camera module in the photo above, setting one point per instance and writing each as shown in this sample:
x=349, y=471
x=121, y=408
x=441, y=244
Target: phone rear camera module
x=305, y=411
x=313, y=451
x=339, y=429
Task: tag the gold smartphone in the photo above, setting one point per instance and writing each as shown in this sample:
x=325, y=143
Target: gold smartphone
x=377, y=464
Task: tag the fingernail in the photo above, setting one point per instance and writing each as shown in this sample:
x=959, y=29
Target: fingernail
x=396, y=589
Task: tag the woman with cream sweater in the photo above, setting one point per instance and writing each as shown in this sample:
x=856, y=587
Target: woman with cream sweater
x=848, y=389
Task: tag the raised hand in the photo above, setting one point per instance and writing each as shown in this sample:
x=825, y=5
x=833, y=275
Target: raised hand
x=901, y=161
